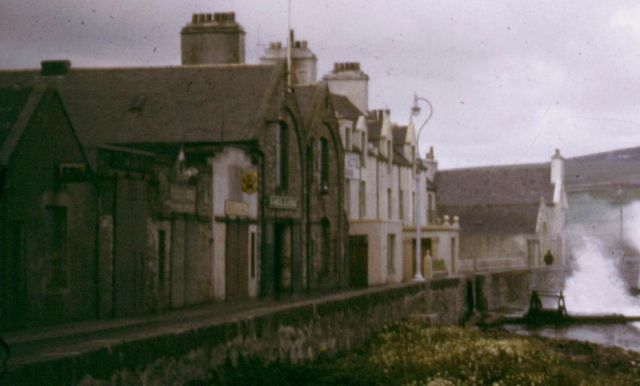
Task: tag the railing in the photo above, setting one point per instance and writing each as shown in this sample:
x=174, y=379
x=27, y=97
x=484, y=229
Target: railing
x=493, y=264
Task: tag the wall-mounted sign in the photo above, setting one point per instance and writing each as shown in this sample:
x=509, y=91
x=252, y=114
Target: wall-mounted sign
x=249, y=181
x=183, y=198
x=72, y=172
x=283, y=202
x=236, y=208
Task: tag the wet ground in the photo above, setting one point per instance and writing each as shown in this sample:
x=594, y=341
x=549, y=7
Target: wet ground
x=625, y=336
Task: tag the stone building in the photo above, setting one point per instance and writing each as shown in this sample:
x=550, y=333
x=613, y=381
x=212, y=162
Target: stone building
x=327, y=221
x=47, y=212
x=510, y=215
x=211, y=183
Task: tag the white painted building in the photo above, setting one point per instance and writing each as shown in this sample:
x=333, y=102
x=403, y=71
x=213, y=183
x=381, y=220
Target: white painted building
x=380, y=190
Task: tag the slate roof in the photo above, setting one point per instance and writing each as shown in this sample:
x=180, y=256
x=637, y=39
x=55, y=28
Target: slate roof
x=617, y=167
x=502, y=199
x=399, y=134
x=12, y=101
x=502, y=185
x=494, y=219
x=344, y=108
x=304, y=96
x=18, y=104
x=399, y=158
x=374, y=127
x=160, y=104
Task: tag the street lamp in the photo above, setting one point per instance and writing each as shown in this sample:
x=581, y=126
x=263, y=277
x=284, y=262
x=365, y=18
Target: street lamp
x=415, y=111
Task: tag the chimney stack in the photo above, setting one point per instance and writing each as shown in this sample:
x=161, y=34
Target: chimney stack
x=349, y=80
x=212, y=38
x=54, y=67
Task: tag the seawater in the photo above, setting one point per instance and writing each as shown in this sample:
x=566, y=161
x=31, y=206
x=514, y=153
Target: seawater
x=595, y=286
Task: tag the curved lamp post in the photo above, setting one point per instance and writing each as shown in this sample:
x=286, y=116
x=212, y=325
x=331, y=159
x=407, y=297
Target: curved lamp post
x=415, y=111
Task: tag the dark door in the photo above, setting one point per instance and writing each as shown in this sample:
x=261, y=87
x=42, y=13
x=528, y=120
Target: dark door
x=130, y=239
x=237, y=261
x=358, y=261
x=282, y=258
x=16, y=283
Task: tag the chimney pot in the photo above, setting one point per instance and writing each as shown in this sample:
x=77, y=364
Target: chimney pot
x=335, y=67
x=194, y=18
x=232, y=16
x=207, y=17
x=55, y=67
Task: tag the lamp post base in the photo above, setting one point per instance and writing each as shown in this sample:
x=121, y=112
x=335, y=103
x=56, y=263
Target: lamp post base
x=418, y=278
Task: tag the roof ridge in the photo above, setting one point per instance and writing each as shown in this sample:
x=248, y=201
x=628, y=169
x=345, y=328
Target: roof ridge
x=580, y=157
x=497, y=167
x=146, y=68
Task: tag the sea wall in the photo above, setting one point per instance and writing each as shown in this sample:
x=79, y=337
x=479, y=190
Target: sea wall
x=278, y=331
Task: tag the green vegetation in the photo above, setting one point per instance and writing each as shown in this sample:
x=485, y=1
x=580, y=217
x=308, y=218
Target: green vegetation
x=412, y=354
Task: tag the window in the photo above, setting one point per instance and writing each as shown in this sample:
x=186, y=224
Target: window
x=282, y=150
x=431, y=208
x=362, y=198
x=391, y=253
x=57, y=247
x=161, y=256
x=324, y=165
x=389, y=204
x=253, y=254
x=347, y=130
x=453, y=249
x=347, y=198
x=324, y=245
x=363, y=147
x=389, y=157
x=401, y=205
x=414, y=203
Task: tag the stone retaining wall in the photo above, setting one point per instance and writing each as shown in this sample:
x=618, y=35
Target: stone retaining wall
x=294, y=331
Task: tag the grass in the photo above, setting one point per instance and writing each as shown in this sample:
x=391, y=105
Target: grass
x=412, y=354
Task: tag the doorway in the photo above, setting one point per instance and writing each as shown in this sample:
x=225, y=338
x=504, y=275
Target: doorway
x=237, y=260
x=425, y=245
x=358, y=261
x=282, y=258
x=130, y=242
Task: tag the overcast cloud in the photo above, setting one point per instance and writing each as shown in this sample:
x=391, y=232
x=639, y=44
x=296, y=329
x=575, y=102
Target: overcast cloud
x=509, y=81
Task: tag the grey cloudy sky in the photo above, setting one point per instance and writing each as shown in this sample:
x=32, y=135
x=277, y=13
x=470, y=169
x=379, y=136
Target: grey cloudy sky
x=510, y=81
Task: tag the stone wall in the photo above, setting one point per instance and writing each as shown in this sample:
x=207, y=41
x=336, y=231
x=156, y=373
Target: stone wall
x=295, y=332
x=513, y=289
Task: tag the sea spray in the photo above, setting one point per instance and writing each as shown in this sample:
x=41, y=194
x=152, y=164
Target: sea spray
x=595, y=285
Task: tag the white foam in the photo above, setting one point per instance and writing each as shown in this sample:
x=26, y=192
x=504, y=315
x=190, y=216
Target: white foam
x=595, y=285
